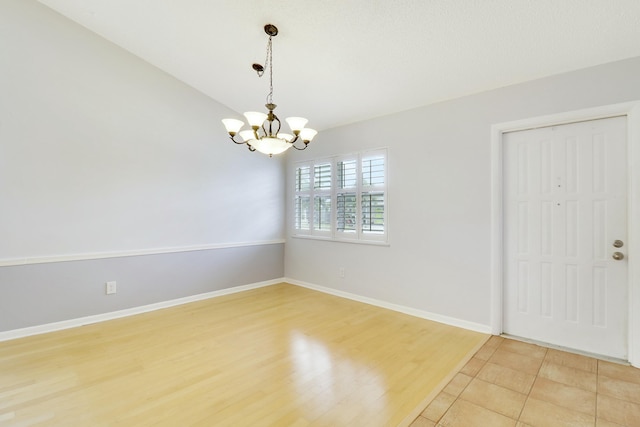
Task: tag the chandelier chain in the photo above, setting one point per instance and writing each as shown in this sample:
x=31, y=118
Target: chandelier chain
x=269, y=61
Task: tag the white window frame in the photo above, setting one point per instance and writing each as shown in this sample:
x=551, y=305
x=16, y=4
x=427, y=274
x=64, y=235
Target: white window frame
x=358, y=235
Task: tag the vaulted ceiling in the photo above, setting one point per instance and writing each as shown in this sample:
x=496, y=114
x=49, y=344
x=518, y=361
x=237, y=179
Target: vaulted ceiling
x=341, y=61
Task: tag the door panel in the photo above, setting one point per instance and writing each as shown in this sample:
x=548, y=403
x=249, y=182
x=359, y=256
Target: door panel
x=565, y=197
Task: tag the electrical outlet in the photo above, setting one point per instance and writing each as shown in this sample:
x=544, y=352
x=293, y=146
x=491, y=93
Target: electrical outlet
x=110, y=288
x=341, y=272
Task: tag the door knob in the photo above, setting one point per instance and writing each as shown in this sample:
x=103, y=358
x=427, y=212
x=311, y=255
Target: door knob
x=618, y=256
x=618, y=244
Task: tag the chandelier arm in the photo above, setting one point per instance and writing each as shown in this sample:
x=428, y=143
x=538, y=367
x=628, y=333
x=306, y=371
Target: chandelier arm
x=233, y=138
x=306, y=144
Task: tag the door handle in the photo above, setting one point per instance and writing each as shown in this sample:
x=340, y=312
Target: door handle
x=618, y=256
x=618, y=244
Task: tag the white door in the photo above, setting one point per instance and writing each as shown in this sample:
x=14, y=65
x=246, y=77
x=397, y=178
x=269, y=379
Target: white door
x=565, y=205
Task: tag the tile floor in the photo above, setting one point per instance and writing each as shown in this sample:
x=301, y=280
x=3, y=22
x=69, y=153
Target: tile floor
x=516, y=384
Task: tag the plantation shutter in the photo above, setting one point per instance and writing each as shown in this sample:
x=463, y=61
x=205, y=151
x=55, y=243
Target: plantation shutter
x=373, y=203
x=346, y=196
x=302, y=200
x=322, y=197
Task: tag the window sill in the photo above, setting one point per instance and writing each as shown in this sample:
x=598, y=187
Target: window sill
x=333, y=239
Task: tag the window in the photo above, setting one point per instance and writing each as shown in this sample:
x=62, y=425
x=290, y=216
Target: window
x=343, y=198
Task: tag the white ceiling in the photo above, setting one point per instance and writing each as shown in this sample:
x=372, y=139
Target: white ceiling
x=342, y=61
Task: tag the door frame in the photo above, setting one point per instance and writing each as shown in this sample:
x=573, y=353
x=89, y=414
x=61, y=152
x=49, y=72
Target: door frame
x=632, y=111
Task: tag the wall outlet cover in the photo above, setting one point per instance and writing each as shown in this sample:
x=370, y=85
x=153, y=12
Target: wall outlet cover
x=110, y=288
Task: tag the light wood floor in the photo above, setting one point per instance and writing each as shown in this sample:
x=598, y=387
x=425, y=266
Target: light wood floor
x=275, y=356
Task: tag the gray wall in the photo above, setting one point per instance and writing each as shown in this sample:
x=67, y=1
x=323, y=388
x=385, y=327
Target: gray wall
x=51, y=292
x=438, y=260
x=102, y=154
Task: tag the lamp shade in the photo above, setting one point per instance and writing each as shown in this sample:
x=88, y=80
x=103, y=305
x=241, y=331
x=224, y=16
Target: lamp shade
x=307, y=134
x=232, y=125
x=255, y=118
x=296, y=123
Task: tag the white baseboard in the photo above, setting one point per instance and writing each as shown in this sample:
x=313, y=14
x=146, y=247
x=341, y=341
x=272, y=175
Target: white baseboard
x=451, y=321
x=81, y=321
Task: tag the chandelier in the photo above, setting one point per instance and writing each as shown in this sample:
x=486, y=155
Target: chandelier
x=265, y=135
